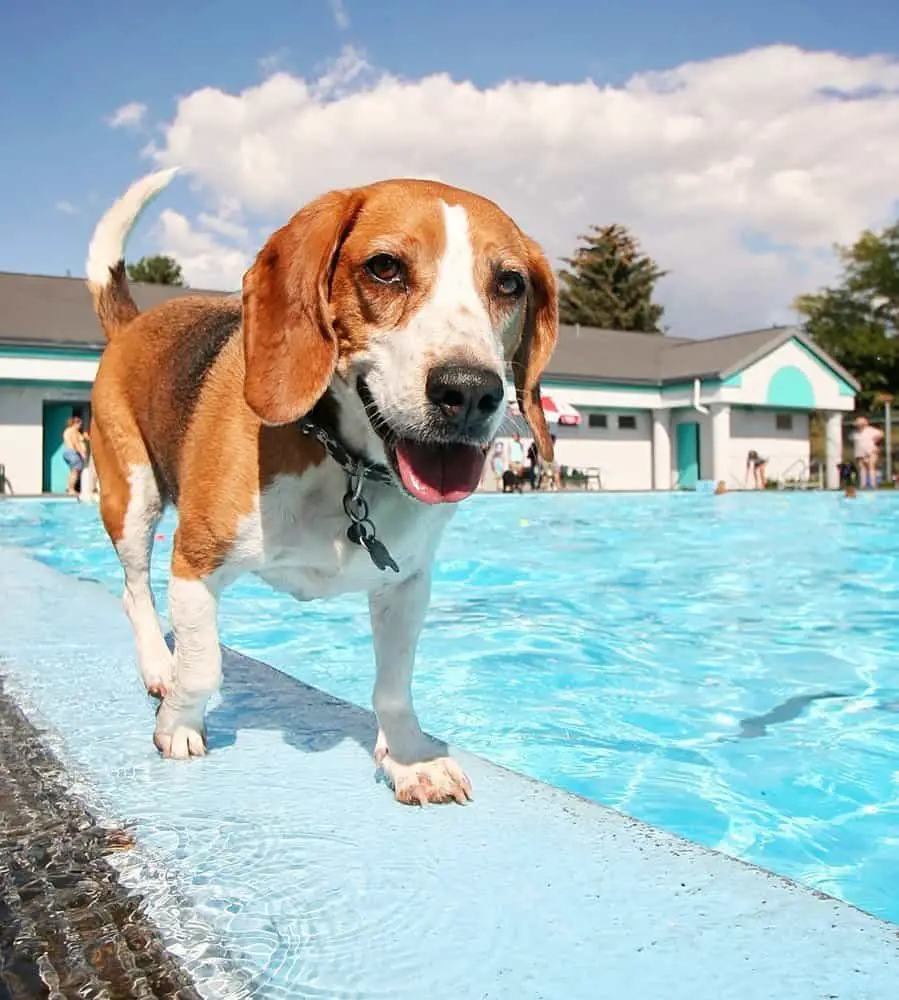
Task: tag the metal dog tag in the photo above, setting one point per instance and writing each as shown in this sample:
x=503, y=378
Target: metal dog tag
x=359, y=534
x=379, y=554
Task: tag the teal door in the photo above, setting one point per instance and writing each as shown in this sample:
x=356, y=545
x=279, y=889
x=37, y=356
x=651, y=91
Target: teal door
x=687, y=455
x=56, y=471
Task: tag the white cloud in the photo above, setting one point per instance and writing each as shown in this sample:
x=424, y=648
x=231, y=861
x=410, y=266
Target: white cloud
x=127, y=116
x=222, y=225
x=350, y=70
x=66, y=207
x=272, y=62
x=205, y=260
x=339, y=12
x=774, y=149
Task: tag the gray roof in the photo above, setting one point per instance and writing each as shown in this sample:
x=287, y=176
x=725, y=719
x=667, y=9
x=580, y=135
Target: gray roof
x=55, y=311
x=586, y=354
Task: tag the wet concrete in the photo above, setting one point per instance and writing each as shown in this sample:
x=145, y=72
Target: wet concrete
x=68, y=928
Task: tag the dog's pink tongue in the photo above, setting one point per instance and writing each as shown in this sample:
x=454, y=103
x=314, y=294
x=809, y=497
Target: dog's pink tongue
x=444, y=473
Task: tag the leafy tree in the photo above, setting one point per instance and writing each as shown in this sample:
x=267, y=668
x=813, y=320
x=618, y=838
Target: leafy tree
x=610, y=283
x=156, y=270
x=871, y=267
x=857, y=322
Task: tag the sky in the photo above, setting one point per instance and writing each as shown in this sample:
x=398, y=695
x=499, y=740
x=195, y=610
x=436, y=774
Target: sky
x=738, y=144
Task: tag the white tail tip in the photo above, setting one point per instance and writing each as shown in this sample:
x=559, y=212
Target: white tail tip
x=107, y=246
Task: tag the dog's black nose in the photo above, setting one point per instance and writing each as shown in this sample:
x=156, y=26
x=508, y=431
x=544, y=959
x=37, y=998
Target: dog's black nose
x=466, y=396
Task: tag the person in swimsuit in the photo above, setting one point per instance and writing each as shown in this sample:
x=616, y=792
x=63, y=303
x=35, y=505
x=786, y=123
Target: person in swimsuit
x=758, y=467
x=516, y=455
x=74, y=452
x=865, y=443
x=498, y=465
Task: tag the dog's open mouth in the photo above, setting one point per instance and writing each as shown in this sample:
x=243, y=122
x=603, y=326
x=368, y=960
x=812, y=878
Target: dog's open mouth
x=431, y=471
x=439, y=473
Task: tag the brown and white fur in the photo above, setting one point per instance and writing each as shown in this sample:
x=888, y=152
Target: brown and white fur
x=196, y=400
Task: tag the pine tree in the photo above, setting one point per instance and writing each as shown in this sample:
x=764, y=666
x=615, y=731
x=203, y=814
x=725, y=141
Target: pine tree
x=610, y=283
x=156, y=270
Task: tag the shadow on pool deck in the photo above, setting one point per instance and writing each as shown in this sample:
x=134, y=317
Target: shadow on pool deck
x=313, y=722
x=307, y=718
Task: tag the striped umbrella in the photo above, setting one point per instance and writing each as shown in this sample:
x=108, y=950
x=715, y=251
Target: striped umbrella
x=556, y=410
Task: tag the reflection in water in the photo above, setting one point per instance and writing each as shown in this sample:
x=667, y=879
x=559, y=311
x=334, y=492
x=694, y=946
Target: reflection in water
x=787, y=711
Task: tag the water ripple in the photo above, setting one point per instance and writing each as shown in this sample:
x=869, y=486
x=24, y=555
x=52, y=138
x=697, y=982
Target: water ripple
x=611, y=645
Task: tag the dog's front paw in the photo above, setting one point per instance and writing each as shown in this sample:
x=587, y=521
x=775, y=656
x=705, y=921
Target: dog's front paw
x=440, y=780
x=179, y=736
x=437, y=780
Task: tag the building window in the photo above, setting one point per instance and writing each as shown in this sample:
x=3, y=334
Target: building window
x=627, y=422
x=784, y=421
x=598, y=420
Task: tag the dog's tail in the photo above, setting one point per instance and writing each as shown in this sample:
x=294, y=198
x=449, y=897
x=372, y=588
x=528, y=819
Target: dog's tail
x=105, y=269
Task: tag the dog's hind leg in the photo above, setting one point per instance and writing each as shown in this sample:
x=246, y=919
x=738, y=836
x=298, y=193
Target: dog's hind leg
x=131, y=505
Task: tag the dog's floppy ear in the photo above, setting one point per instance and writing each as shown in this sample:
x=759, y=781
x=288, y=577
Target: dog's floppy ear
x=290, y=346
x=541, y=330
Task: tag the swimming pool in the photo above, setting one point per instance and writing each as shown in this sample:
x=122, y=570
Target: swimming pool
x=630, y=649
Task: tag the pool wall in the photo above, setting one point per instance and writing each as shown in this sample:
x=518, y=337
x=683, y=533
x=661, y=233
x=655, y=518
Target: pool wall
x=279, y=867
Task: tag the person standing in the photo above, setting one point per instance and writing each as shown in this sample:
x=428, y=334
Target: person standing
x=74, y=452
x=498, y=465
x=865, y=443
x=516, y=456
x=533, y=465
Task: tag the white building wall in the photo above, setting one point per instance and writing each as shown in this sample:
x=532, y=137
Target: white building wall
x=587, y=396
x=59, y=370
x=21, y=438
x=22, y=432
x=662, y=450
x=622, y=454
x=788, y=450
x=751, y=429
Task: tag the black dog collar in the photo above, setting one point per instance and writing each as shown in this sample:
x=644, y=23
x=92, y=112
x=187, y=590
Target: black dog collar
x=361, y=530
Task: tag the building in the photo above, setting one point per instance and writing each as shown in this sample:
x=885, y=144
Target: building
x=50, y=345
x=665, y=412
x=651, y=412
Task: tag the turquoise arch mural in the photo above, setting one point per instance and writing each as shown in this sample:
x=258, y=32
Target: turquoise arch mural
x=790, y=387
x=791, y=382
x=845, y=388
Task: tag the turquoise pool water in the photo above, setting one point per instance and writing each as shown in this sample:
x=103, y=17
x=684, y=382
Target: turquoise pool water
x=666, y=655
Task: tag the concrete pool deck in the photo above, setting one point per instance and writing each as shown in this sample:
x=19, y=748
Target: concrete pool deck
x=278, y=866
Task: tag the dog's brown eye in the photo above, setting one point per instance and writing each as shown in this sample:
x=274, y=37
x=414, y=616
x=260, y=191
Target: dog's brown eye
x=385, y=268
x=510, y=284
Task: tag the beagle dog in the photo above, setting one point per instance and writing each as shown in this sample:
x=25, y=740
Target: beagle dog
x=316, y=430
